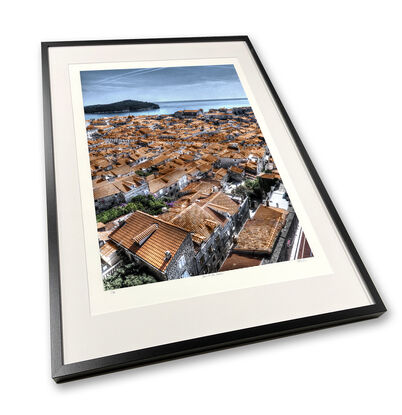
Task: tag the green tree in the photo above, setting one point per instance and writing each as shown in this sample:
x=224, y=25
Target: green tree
x=250, y=188
x=147, y=204
x=127, y=275
x=143, y=173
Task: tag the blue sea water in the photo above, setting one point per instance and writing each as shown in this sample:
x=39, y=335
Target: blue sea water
x=173, y=106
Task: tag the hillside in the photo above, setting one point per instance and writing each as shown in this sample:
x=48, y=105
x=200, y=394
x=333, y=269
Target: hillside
x=121, y=106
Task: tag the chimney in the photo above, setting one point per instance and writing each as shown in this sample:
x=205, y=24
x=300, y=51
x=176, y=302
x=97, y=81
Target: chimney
x=120, y=223
x=168, y=255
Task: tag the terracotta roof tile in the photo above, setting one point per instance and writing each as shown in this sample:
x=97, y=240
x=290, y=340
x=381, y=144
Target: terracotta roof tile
x=166, y=237
x=105, y=189
x=166, y=180
x=260, y=233
x=236, y=261
x=145, y=233
x=194, y=219
x=201, y=217
x=108, y=248
x=222, y=201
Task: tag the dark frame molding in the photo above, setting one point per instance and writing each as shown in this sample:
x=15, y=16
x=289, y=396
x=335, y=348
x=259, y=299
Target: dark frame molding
x=64, y=372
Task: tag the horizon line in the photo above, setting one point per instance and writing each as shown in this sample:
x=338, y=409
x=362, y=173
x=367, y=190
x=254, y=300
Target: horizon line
x=202, y=100
x=185, y=100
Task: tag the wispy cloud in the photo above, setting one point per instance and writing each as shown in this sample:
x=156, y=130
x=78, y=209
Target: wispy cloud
x=161, y=84
x=131, y=74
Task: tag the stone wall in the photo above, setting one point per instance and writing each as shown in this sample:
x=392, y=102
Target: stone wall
x=137, y=191
x=281, y=248
x=213, y=252
x=242, y=215
x=108, y=202
x=227, y=162
x=173, y=270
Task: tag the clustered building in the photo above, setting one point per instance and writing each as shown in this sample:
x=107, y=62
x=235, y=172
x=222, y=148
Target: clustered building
x=196, y=159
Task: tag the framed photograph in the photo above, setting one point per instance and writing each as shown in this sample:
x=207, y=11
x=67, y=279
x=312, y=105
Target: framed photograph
x=184, y=214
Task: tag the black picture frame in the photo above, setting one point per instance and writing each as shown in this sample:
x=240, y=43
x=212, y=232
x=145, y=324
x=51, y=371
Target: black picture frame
x=62, y=372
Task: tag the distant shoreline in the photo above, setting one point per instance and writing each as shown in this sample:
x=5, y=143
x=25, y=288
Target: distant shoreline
x=118, y=112
x=128, y=105
x=174, y=102
x=150, y=115
x=203, y=100
x=170, y=107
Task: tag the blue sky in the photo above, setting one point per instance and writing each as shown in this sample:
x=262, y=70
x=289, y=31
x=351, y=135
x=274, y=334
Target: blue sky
x=180, y=83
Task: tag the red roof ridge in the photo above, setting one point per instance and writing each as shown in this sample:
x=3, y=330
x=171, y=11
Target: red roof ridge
x=189, y=207
x=214, y=205
x=161, y=220
x=147, y=232
x=214, y=197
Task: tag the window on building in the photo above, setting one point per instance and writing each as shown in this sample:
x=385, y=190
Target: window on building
x=181, y=262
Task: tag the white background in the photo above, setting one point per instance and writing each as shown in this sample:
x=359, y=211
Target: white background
x=337, y=66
